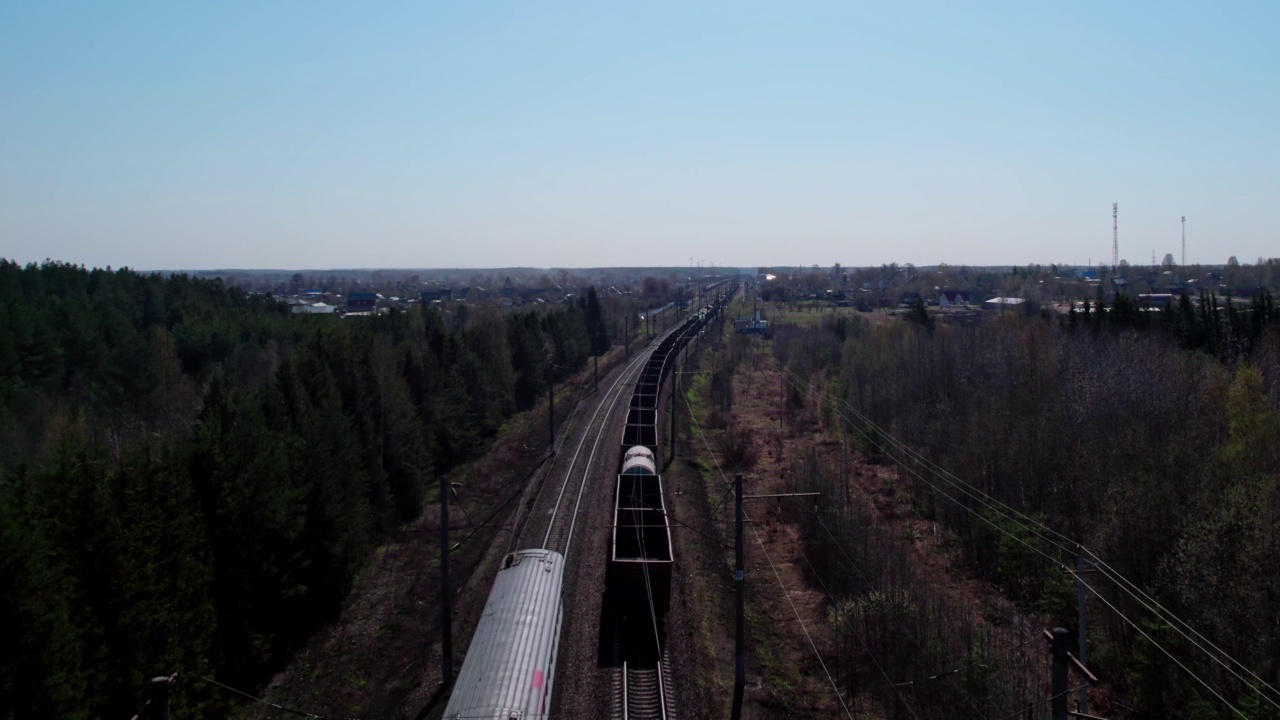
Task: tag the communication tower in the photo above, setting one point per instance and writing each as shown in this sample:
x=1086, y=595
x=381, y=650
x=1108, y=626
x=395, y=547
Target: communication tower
x=1184, y=241
x=1115, y=236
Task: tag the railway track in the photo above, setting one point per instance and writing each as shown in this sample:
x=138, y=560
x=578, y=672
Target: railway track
x=641, y=683
x=643, y=693
x=560, y=528
x=639, y=659
x=559, y=535
x=543, y=585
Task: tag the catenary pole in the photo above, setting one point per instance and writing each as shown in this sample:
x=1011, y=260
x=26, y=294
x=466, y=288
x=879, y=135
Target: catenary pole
x=739, y=581
x=446, y=611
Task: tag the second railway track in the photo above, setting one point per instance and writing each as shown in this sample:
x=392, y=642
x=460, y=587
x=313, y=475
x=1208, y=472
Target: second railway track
x=559, y=533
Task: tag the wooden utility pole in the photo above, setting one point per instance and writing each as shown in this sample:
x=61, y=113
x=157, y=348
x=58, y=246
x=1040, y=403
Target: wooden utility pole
x=739, y=582
x=446, y=612
x=551, y=416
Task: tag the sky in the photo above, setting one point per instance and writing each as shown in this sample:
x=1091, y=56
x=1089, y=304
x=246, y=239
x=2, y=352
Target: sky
x=163, y=135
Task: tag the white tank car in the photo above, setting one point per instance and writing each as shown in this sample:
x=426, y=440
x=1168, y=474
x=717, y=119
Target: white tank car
x=511, y=662
x=639, y=461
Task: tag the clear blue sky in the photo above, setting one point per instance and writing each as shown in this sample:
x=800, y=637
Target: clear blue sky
x=479, y=134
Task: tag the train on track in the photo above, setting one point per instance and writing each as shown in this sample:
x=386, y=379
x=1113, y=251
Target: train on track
x=511, y=663
x=509, y=667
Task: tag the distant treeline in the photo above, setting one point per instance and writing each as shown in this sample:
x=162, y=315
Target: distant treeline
x=1153, y=439
x=190, y=476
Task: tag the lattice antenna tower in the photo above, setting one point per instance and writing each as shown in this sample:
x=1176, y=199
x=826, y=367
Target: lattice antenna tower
x=1184, y=241
x=1115, y=236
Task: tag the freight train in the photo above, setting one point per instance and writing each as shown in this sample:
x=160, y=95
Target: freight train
x=509, y=668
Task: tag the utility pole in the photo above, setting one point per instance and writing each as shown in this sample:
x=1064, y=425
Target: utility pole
x=739, y=582
x=158, y=699
x=1061, y=661
x=446, y=612
x=551, y=415
x=782, y=396
x=626, y=335
x=1184, y=241
x=1084, y=658
x=675, y=379
x=1059, y=651
x=844, y=465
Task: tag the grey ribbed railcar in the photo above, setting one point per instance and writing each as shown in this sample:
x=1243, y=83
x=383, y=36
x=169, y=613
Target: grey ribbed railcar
x=510, y=665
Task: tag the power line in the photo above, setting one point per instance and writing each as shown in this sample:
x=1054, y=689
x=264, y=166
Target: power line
x=809, y=637
x=979, y=494
x=1146, y=600
x=935, y=469
x=853, y=564
x=867, y=648
x=1037, y=704
x=992, y=503
x=968, y=509
x=268, y=703
x=1116, y=577
x=1162, y=649
x=1037, y=550
x=644, y=567
x=913, y=472
x=803, y=627
x=861, y=637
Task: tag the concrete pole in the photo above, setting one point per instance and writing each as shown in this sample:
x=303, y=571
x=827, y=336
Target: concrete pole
x=1059, y=699
x=158, y=691
x=675, y=379
x=1083, y=657
x=446, y=611
x=739, y=582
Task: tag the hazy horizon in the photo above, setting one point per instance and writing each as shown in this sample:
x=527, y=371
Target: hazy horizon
x=237, y=135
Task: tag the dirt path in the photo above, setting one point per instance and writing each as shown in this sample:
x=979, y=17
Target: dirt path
x=793, y=661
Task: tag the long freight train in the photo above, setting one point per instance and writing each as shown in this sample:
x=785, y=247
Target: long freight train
x=641, y=554
x=509, y=668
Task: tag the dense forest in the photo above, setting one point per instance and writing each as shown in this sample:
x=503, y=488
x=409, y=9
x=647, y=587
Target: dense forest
x=1151, y=440
x=190, y=476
